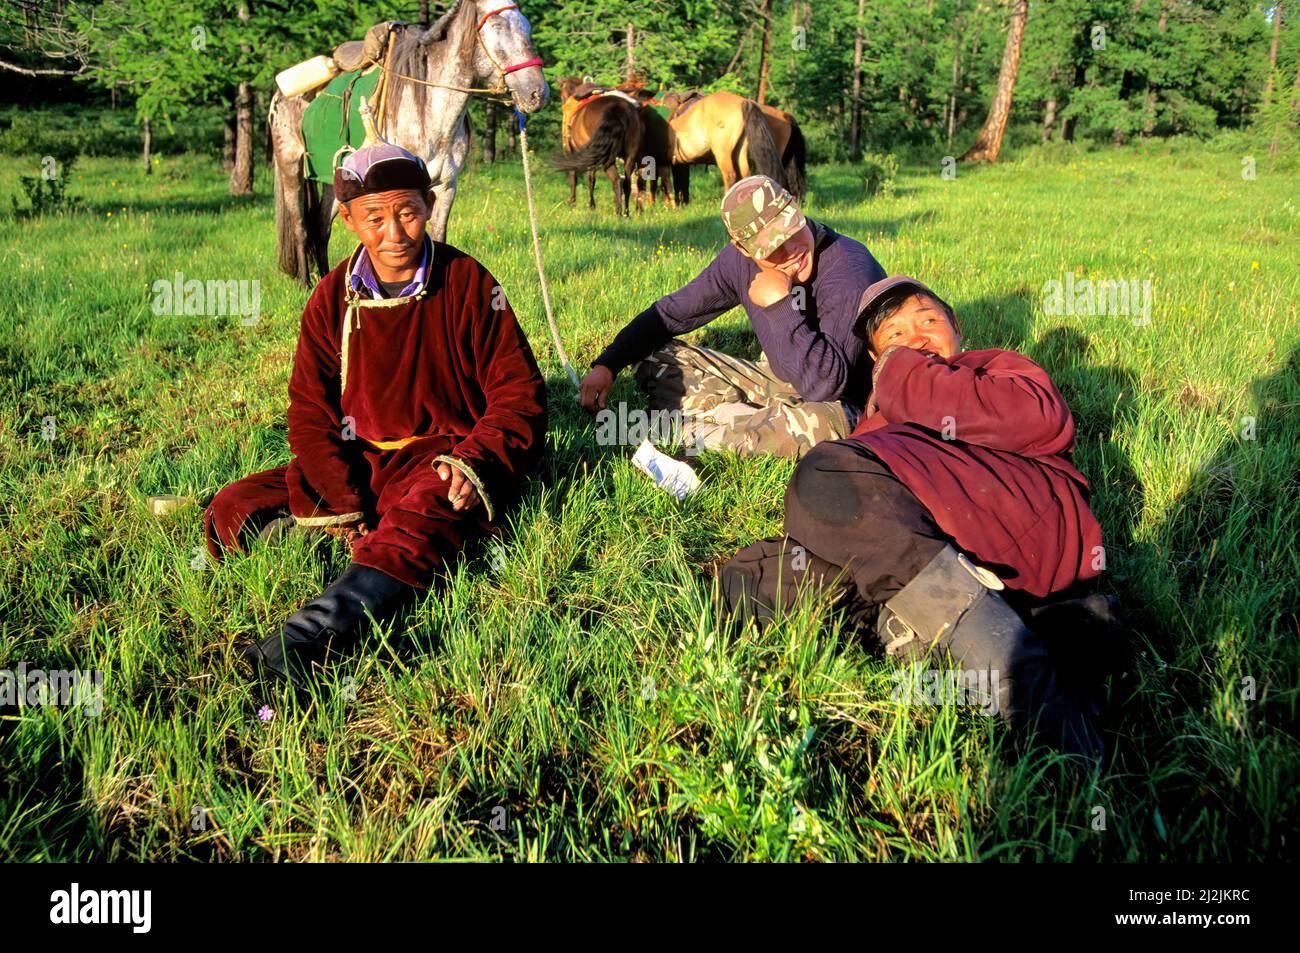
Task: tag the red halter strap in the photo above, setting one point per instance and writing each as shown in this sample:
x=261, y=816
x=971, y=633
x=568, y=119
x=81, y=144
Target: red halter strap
x=488, y=16
x=535, y=61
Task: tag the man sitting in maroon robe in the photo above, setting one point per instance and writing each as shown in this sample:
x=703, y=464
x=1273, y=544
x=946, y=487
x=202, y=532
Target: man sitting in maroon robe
x=955, y=486
x=416, y=409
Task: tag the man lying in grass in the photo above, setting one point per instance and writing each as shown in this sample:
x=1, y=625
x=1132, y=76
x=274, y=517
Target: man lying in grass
x=798, y=282
x=415, y=409
x=955, y=487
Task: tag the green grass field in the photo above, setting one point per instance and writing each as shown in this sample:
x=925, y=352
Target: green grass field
x=577, y=699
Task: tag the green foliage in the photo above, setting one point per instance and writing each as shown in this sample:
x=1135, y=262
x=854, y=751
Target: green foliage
x=879, y=171
x=685, y=44
x=1118, y=69
x=174, y=56
x=1276, y=116
x=47, y=191
x=1109, y=71
x=94, y=131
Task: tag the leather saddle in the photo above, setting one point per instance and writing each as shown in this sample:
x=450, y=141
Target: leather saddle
x=358, y=54
x=678, y=103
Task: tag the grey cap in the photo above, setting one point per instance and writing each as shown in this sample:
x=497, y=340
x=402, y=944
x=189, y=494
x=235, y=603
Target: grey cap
x=879, y=289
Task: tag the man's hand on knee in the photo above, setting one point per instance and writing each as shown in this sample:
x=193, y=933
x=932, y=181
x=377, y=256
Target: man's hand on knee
x=460, y=491
x=595, y=387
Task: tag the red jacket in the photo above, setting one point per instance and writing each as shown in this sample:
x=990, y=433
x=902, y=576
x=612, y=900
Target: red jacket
x=984, y=442
x=451, y=368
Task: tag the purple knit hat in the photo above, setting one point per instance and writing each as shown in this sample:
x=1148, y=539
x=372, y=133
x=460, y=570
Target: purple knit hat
x=379, y=168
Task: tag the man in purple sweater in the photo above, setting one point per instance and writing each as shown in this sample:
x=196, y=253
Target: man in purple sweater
x=799, y=282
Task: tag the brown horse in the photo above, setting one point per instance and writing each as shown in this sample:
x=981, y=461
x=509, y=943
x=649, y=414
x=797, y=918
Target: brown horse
x=656, y=146
x=601, y=128
x=739, y=136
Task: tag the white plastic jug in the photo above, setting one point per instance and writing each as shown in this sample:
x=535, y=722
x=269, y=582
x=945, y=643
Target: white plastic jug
x=306, y=76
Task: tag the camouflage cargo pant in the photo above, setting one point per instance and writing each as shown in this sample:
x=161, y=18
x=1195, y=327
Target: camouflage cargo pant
x=741, y=405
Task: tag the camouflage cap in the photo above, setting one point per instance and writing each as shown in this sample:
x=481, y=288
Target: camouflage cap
x=760, y=215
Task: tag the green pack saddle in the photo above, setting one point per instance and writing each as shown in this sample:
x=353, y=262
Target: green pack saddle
x=331, y=124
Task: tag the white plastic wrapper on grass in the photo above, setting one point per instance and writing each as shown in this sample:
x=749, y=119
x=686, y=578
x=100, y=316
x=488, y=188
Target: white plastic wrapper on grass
x=669, y=474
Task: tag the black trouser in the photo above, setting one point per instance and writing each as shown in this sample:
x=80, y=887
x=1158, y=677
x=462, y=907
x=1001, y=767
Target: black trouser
x=850, y=524
x=852, y=527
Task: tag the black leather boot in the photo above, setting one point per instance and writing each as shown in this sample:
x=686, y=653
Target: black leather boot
x=331, y=621
x=953, y=607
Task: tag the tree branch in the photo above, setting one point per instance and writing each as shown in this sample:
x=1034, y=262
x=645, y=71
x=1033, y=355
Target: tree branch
x=42, y=72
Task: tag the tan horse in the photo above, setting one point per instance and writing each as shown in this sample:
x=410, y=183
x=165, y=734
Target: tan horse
x=739, y=136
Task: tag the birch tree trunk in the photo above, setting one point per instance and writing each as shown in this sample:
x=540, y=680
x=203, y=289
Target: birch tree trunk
x=629, y=61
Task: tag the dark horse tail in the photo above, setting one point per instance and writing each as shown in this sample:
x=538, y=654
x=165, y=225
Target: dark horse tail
x=763, y=157
x=288, y=251
x=796, y=157
x=302, y=224
x=302, y=231
x=606, y=143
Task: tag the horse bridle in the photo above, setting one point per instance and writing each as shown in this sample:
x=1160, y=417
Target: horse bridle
x=478, y=33
x=478, y=36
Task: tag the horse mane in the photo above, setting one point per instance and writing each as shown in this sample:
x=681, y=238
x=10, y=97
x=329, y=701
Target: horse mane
x=411, y=47
x=440, y=26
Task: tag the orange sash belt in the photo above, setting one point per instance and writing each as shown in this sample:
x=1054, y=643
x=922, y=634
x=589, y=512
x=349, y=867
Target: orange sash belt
x=394, y=444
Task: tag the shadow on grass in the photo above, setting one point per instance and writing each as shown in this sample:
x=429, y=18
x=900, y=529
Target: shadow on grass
x=1208, y=596
x=43, y=790
x=1221, y=684
x=736, y=340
